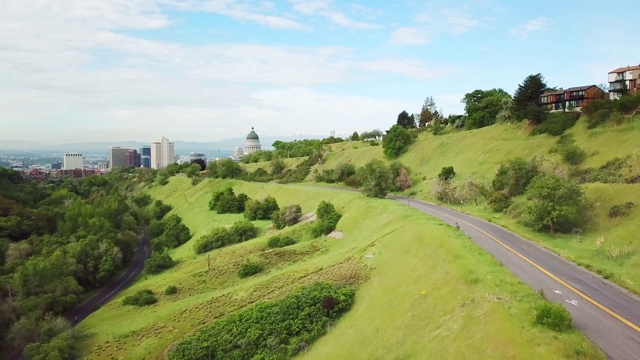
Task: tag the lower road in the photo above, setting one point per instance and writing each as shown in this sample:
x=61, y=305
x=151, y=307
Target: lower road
x=608, y=314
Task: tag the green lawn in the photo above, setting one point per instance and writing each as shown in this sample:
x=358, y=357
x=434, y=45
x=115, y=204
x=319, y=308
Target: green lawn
x=424, y=289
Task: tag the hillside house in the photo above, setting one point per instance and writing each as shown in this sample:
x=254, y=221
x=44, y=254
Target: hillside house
x=571, y=98
x=624, y=80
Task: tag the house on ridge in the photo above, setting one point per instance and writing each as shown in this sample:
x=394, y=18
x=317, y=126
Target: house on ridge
x=572, y=98
x=624, y=80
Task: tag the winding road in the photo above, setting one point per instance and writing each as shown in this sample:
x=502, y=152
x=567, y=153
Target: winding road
x=608, y=314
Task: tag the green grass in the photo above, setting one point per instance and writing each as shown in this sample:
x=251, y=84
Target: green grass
x=424, y=288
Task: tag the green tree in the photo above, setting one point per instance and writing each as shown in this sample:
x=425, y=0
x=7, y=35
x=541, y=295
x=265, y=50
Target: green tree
x=429, y=113
x=277, y=166
x=513, y=176
x=527, y=95
x=556, y=204
x=193, y=170
x=482, y=107
x=406, y=121
x=396, y=141
x=376, y=178
x=447, y=173
x=355, y=136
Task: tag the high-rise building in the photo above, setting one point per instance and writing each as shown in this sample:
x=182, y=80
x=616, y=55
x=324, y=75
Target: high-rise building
x=117, y=156
x=72, y=161
x=132, y=159
x=162, y=153
x=145, y=157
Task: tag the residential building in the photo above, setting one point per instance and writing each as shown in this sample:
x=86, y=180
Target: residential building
x=145, y=157
x=117, y=157
x=572, y=98
x=132, y=159
x=252, y=143
x=72, y=161
x=624, y=80
x=162, y=153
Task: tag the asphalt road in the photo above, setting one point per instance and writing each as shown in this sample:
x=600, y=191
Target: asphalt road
x=606, y=313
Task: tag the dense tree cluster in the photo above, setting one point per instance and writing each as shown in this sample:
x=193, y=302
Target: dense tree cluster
x=58, y=241
x=226, y=202
x=222, y=236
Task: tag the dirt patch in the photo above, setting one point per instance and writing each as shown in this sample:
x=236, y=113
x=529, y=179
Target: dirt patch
x=307, y=217
x=335, y=234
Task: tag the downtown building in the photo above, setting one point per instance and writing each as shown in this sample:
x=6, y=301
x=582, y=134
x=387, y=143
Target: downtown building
x=72, y=161
x=117, y=157
x=162, y=153
x=145, y=157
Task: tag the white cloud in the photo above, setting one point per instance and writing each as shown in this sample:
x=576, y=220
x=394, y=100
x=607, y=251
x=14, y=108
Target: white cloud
x=412, y=68
x=523, y=31
x=409, y=36
x=454, y=20
x=325, y=8
x=249, y=12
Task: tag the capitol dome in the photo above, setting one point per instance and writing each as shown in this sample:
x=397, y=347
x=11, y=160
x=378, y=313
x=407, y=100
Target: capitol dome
x=253, y=143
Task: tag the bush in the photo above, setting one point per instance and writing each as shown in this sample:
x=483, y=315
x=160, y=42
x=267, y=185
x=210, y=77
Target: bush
x=572, y=154
x=554, y=317
x=141, y=298
x=598, y=118
x=261, y=209
x=621, y=210
x=447, y=173
x=286, y=217
x=270, y=330
x=375, y=178
x=396, y=141
x=158, y=263
x=326, y=176
x=226, y=202
x=171, y=290
x=250, y=269
x=344, y=171
x=280, y=241
x=500, y=201
x=557, y=123
x=327, y=221
x=174, y=234
x=513, y=176
x=219, y=237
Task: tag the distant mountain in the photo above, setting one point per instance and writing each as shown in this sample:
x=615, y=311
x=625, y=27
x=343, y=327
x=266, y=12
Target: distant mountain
x=181, y=147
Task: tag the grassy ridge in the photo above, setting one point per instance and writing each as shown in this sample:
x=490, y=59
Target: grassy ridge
x=610, y=246
x=471, y=305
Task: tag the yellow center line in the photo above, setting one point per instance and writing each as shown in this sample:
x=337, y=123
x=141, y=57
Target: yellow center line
x=610, y=312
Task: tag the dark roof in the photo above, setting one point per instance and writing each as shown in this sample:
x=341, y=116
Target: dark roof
x=553, y=92
x=252, y=135
x=580, y=88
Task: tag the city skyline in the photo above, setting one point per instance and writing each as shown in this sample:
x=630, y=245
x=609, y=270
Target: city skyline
x=208, y=71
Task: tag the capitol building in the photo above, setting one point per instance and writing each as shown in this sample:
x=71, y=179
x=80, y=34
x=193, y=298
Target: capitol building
x=252, y=144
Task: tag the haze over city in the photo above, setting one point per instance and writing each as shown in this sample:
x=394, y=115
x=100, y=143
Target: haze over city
x=117, y=70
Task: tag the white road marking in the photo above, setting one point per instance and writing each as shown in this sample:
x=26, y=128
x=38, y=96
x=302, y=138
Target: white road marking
x=572, y=302
x=557, y=292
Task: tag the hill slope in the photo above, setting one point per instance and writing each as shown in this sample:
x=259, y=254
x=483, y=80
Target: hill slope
x=609, y=246
x=424, y=288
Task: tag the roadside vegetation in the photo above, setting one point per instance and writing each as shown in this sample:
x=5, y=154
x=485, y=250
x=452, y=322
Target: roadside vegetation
x=442, y=279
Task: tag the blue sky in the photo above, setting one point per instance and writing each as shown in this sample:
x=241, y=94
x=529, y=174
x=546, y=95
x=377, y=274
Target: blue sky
x=89, y=70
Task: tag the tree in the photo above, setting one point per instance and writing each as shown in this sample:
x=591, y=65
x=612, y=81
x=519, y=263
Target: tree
x=406, y=121
x=528, y=94
x=447, y=173
x=277, y=166
x=429, y=113
x=396, y=141
x=193, y=170
x=513, y=176
x=355, y=136
x=556, y=204
x=482, y=107
x=376, y=178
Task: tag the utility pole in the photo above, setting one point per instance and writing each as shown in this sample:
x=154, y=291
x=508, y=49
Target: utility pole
x=209, y=261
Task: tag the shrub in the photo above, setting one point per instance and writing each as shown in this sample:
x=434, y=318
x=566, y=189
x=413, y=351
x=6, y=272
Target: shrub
x=326, y=176
x=141, y=298
x=280, y=241
x=557, y=123
x=621, y=210
x=554, y=317
x=396, y=141
x=328, y=219
x=286, y=217
x=513, y=176
x=158, y=263
x=171, y=290
x=250, y=269
x=175, y=233
x=226, y=202
x=572, y=154
x=270, y=330
x=598, y=118
x=447, y=173
x=344, y=171
x=500, y=201
x=260, y=209
x=219, y=237
x=375, y=178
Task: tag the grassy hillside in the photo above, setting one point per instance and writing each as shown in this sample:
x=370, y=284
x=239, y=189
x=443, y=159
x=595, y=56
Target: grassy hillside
x=610, y=246
x=424, y=288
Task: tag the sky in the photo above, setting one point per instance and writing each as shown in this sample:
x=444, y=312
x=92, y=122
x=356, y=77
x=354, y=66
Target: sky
x=116, y=70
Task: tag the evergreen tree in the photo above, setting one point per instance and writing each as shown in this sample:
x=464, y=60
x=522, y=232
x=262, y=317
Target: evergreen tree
x=526, y=96
x=406, y=121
